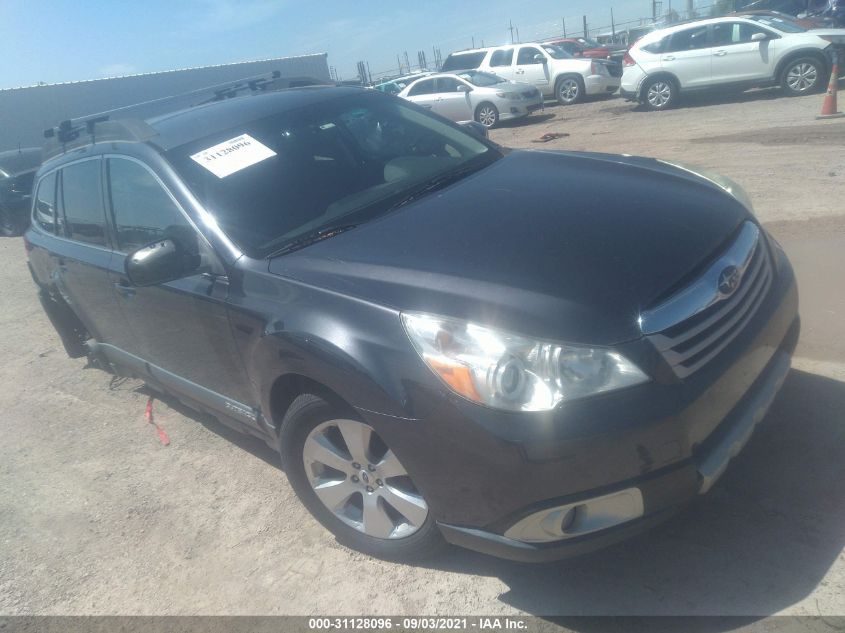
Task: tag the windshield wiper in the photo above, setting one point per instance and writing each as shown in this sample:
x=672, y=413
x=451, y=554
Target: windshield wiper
x=436, y=183
x=311, y=238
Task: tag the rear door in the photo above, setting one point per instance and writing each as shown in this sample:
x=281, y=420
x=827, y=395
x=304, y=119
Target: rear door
x=82, y=250
x=529, y=70
x=687, y=55
x=735, y=57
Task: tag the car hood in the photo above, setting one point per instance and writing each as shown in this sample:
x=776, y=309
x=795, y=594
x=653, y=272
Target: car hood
x=563, y=246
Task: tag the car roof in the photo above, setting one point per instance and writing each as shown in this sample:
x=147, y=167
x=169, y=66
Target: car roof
x=19, y=161
x=187, y=125
x=681, y=26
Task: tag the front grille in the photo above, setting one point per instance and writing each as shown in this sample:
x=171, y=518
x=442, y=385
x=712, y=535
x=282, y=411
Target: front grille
x=699, y=321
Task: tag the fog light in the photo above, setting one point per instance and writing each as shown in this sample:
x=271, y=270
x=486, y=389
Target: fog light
x=578, y=519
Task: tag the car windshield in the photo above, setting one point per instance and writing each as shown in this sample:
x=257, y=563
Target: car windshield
x=276, y=181
x=482, y=80
x=556, y=52
x=781, y=23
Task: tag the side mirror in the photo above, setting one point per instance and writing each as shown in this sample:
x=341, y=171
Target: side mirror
x=157, y=263
x=539, y=59
x=759, y=37
x=463, y=88
x=475, y=128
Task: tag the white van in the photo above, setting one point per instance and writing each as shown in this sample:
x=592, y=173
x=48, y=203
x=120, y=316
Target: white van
x=552, y=70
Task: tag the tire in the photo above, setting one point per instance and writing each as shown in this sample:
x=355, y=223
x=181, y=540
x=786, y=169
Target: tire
x=487, y=114
x=659, y=93
x=8, y=226
x=802, y=76
x=569, y=90
x=314, y=433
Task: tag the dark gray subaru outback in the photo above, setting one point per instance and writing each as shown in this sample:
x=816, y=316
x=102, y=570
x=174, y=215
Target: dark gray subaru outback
x=527, y=353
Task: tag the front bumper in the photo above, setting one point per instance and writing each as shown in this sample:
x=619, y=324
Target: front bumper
x=663, y=494
x=601, y=84
x=517, y=109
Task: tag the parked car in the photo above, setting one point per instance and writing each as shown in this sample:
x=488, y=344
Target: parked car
x=17, y=170
x=395, y=86
x=472, y=95
x=731, y=52
x=553, y=71
x=807, y=22
x=527, y=353
x=579, y=47
x=829, y=12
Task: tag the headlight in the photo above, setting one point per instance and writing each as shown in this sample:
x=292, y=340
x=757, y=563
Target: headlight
x=730, y=187
x=512, y=372
x=508, y=95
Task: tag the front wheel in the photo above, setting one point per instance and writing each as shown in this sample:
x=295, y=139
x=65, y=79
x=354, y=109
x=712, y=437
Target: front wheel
x=354, y=484
x=569, y=90
x=802, y=76
x=487, y=115
x=659, y=94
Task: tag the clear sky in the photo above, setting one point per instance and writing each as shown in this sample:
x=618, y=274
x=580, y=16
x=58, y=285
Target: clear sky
x=67, y=40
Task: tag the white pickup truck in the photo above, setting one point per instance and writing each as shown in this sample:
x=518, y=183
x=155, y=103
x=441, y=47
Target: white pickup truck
x=553, y=71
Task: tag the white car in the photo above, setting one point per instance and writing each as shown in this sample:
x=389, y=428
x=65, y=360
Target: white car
x=740, y=51
x=550, y=69
x=472, y=95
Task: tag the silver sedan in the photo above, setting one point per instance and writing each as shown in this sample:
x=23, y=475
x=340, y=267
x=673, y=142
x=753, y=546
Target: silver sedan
x=472, y=95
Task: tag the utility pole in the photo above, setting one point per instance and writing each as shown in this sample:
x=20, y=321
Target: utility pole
x=586, y=31
x=564, y=26
x=613, y=24
x=399, y=63
x=654, y=10
x=473, y=41
x=690, y=9
x=510, y=28
x=407, y=63
x=517, y=34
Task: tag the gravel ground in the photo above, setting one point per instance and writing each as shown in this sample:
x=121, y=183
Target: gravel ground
x=96, y=517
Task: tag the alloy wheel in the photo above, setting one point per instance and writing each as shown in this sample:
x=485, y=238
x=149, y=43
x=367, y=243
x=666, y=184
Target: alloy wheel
x=361, y=481
x=659, y=94
x=569, y=90
x=487, y=116
x=802, y=77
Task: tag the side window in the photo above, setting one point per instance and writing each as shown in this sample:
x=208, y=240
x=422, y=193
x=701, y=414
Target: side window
x=502, y=58
x=82, y=202
x=447, y=84
x=44, y=211
x=688, y=40
x=526, y=55
x=143, y=212
x=422, y=88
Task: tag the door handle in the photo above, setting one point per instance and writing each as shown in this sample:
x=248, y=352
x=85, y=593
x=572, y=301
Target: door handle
x=426, y=106
x=62, y=264
x=720, y=53
x=669, y=58
x=124, y=289
x=519, y=71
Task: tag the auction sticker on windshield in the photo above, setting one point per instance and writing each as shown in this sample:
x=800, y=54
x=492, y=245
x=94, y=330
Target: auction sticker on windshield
x=233, y=155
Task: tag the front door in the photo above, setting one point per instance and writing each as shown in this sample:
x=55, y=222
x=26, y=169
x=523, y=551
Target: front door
x=529, y=70
x=181, y=327
x=736, y=57
x=450, y=102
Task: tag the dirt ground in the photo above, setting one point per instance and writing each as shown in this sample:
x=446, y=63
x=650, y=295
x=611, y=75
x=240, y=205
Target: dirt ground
x=96, y=517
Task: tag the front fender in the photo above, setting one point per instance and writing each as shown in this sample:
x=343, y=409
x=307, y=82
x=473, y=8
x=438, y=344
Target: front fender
x=356, y=349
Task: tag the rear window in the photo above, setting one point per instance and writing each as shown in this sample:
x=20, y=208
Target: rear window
x=463, y=61
x=688, y=40
x=44, y=211
x=654, y=48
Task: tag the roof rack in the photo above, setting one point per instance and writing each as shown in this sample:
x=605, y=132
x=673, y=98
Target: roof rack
x=104, y=126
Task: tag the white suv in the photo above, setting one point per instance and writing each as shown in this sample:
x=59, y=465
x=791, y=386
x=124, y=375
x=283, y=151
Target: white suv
x=553, y=71
x=740, y=51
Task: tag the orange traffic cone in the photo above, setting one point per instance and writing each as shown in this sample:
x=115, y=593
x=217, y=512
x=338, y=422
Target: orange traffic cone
x=829, y=108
